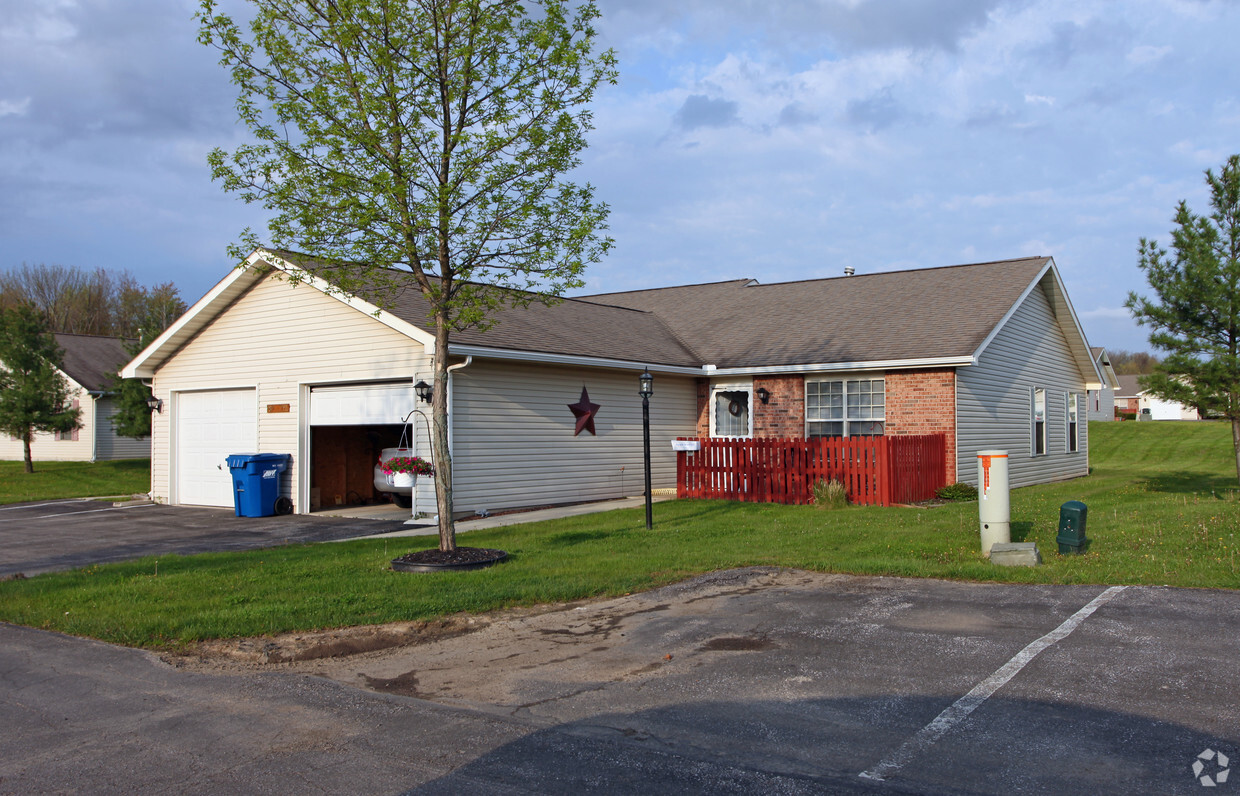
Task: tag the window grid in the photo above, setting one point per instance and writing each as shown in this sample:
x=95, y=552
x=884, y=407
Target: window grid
x=845, y=408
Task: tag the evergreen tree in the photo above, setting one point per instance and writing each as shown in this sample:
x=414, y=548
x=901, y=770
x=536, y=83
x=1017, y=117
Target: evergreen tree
x=1195, y=313
x=34, y=396
x=425, y=142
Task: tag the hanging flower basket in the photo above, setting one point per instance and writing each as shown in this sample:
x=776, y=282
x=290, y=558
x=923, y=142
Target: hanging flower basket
x=411, y=465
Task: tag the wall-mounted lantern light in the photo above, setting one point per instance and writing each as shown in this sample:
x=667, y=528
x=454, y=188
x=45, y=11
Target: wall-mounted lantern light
x=425, y=391
x=764, y=395
x=155, y=404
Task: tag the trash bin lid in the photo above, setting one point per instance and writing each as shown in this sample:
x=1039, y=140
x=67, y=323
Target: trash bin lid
x=238, y=461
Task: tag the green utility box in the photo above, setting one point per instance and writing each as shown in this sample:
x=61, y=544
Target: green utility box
x=1072, y=537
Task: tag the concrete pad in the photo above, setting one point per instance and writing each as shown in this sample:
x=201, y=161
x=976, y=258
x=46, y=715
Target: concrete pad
x=1015, y=554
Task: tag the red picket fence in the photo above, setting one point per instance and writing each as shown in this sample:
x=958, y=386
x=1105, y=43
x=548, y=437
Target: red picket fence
x=874, y=470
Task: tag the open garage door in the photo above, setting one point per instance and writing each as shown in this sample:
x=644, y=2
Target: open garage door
x=210, y=426
x=349, y=426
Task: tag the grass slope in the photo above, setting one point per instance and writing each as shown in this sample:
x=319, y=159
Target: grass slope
x=1162, y=510
x=52, y=480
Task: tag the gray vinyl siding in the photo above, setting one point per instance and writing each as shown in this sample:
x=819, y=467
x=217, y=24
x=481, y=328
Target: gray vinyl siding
x=111, y=445
x=993, y=399
x=513, y=442
x=1106, y=404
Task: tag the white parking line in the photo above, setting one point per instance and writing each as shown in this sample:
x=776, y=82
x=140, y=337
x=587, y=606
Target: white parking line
x=89, y=511
x=41, y=505
x=961, y=708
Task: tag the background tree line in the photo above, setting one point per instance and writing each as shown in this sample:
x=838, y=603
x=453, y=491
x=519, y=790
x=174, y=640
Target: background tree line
x=38, y=301
x=73, y=300
x=1132, y=363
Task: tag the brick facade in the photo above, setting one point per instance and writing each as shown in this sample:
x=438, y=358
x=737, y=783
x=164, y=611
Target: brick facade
x=923, y=402
x=917, y=402
x=783, y=416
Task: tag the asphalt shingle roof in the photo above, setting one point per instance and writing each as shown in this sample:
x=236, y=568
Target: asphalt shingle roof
x=918, y=314
x=90, y=360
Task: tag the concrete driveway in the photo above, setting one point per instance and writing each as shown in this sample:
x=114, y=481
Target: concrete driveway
x=746, y=681
x=68, y=534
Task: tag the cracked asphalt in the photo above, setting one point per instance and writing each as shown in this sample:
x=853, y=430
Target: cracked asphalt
x=735, y=682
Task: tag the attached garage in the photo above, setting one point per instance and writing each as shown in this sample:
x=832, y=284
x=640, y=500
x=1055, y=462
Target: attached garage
x=210, y=426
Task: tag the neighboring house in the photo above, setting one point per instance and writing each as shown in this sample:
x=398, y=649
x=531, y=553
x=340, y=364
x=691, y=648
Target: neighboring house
x=90, y=363
x=1137, y=400
x=1102, y=401
x=990, y=355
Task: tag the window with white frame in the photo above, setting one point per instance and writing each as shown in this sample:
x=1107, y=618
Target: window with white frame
x=845, y=408
x=1073, y=428
x=730, y=412
x=1037, y=421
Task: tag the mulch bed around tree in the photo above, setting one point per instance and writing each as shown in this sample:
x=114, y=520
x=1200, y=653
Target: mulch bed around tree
x=436, y=560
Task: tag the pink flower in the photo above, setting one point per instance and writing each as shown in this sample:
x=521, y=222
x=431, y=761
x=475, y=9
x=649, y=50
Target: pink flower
x=407, y=464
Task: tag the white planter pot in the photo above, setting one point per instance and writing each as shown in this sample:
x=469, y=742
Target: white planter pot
x=404, y=479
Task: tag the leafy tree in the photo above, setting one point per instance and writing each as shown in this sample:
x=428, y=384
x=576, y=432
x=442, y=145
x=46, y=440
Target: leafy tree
x=429, y=140
x=34, y=396
x=1196, y=312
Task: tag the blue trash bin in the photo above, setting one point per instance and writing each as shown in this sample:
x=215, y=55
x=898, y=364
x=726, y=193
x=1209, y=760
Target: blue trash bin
x=256, y=483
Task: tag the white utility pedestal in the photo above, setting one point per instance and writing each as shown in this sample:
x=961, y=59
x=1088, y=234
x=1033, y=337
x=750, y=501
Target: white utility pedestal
x=993, y=506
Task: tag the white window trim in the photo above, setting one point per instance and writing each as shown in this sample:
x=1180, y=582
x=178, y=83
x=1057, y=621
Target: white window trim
x=846, y=421
x=1072, y=406
x=1033, y=421
x=730, y=386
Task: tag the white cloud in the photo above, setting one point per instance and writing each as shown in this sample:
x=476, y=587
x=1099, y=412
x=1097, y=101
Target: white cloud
x=1148, y=54
x=14, y=107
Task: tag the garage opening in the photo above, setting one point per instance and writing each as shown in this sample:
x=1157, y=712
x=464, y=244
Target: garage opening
x=350, y=425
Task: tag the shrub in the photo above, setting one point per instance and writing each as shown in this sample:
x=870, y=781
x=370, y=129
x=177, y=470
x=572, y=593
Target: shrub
x=830, y=494
x=957, y=491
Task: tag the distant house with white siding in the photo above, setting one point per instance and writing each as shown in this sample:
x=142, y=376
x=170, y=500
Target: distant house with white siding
x=1102, y=400
x=90, y=363
x=1151, y=407
x=990, y=355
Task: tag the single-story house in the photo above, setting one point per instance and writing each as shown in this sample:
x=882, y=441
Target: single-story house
x=990, y=355
x=90, y=363
x=1102, y=401
x=1130, y=397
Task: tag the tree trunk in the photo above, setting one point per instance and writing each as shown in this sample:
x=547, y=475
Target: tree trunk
x=26, y=448
x=1235, y=441
x=439, y=437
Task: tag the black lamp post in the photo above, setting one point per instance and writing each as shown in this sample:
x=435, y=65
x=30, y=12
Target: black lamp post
x=646, y=390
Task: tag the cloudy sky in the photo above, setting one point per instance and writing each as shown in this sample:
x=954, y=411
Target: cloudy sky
x=746, y=138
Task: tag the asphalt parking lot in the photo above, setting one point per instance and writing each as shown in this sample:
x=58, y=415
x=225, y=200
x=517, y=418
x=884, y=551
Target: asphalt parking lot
x=745, y=681
x=69, y=534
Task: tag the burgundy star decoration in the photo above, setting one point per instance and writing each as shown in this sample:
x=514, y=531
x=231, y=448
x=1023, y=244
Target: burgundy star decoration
x=584, y=411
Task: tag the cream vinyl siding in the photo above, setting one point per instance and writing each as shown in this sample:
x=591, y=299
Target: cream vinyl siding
x=111, y=445
x=993, y=399
x=513, y=442
x=277, y=338
x=46, y=448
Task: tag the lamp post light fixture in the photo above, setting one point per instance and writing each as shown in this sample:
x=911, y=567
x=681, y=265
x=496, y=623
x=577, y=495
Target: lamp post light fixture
x=646, y=390
x=155, y=404
x=425, y=391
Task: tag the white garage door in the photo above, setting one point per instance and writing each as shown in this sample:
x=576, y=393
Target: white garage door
x=210, y=427
x=361, y=404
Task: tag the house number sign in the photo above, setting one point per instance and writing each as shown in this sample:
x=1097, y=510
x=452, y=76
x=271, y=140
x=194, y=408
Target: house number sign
x=276, y=409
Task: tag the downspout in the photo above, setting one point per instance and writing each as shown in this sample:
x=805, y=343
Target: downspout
x=449, y=370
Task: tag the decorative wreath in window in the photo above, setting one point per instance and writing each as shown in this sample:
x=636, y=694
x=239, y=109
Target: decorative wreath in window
x=735, y=408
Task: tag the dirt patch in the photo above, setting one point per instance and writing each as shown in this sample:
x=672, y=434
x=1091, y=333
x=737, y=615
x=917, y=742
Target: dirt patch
x=337, y=643
x=737, y=644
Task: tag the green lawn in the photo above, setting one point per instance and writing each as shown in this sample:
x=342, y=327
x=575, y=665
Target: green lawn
x=52, y=480
x=1162, y=499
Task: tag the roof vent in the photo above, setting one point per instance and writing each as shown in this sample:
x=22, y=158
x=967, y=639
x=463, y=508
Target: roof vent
x=849, y=270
